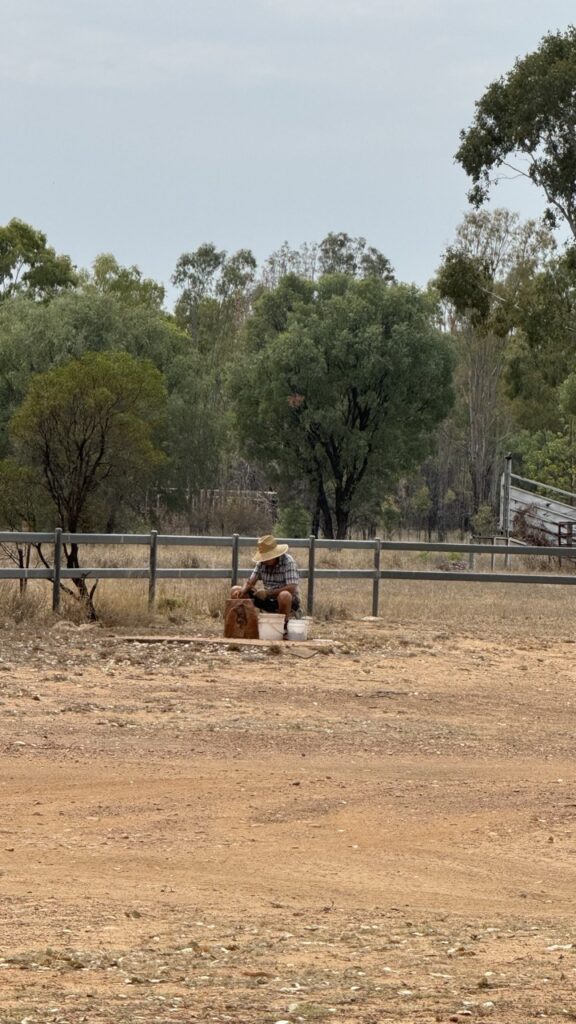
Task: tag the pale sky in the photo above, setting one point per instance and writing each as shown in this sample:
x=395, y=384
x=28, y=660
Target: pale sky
x=147, y=127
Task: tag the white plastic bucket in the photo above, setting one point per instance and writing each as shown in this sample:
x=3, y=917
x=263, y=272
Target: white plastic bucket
x=298, y=629
x=270, y=626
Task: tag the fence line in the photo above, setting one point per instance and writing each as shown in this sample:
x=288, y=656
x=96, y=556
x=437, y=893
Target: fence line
x=154, y=540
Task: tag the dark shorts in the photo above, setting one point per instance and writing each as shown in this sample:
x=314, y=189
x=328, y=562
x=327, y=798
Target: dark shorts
x=270, y=604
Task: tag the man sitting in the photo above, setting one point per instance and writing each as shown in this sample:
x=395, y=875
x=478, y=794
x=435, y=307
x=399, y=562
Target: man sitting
x=278, y=573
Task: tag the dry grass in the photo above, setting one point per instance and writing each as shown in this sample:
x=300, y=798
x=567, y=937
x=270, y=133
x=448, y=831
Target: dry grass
x=445, y=604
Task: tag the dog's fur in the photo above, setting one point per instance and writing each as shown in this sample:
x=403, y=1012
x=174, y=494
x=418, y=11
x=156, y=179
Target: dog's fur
x=241, y=619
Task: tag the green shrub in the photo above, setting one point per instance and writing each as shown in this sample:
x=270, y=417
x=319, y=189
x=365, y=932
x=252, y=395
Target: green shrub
x=293, y=521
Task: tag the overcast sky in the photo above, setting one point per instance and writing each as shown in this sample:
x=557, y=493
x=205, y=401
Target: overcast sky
x=146, y=127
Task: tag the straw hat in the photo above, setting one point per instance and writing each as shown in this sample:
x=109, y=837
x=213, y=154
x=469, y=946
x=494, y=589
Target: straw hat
x=268, y=548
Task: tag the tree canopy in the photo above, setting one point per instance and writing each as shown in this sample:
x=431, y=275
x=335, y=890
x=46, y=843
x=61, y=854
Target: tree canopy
x=127, y=283
x=87, y=428
x=337, y=253
x=36, y=336
x=214, y=291
x=342, y=387
x=29, y=266
x=543, y=347
x=341, y=254
x=526, y=123
x=83, y=446
x=483, y=273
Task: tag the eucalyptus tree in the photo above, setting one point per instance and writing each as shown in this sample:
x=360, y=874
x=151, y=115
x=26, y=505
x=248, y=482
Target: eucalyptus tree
x=29, y=266
x=341, y=254
x=128, y=284
x=342, y=385
x=483, y=279
x=215, y=292
x=35, y=336
x=337, y=253
x=84, y=443
x=525, y=124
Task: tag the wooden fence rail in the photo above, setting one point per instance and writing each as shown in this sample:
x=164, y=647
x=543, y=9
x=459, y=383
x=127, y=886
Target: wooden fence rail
x=154, y=541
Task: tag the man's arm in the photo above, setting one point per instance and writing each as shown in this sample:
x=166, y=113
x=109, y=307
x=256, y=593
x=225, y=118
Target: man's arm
x=250, y=581
x=290, y=587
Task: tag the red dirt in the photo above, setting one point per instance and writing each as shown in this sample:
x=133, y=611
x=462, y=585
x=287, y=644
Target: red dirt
x=382, y=830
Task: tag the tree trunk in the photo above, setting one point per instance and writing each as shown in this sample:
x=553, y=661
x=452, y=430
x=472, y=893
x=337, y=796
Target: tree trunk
x=316, y=520
x=324, y=510
x=342, y=509
x=85, y=596
x=342, y=522
x=23, y=563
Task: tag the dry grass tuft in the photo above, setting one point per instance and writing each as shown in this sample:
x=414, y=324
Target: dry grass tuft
x=329, y=609
x=34, y=606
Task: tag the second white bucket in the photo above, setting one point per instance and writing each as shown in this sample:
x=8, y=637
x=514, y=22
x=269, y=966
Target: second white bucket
x=298, y=629
x=270, y=626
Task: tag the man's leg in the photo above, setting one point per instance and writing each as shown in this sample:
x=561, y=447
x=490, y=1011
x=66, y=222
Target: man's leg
x=284, y=599
x=285, y=608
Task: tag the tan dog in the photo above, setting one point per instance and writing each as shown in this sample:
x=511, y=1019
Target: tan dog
x=240, y=619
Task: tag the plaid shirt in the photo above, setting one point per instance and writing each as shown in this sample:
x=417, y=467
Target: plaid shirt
x=274, y=577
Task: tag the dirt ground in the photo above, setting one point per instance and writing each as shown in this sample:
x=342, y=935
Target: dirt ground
x=378, y=828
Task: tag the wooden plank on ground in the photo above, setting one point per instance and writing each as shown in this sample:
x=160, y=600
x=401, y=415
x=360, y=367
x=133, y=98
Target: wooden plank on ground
x=224, y=641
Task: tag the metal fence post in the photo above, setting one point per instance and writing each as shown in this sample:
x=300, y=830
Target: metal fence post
x=153, y=567
x=57, y=569
x=506, y=503
x=311, y=565
x=376, y=583
x=235, y=558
